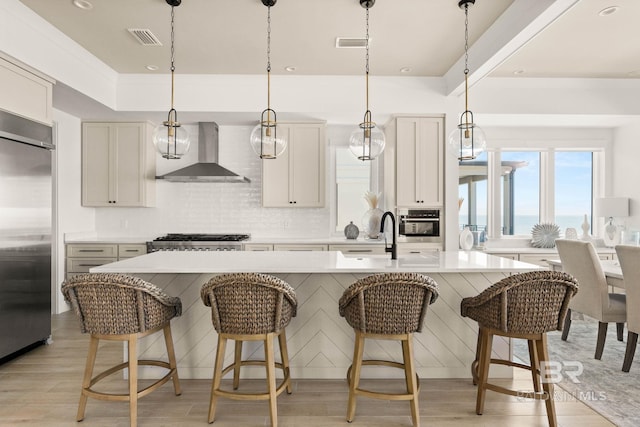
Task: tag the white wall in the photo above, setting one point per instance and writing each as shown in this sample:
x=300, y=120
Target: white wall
x=625, y=177
x=69, y=215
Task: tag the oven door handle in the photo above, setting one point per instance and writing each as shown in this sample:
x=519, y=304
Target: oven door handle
x=405, y=220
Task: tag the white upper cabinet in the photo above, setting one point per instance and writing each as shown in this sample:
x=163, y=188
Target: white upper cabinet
x=118, y=164
x=419, y=161
x=296, y=178
x=26, y=93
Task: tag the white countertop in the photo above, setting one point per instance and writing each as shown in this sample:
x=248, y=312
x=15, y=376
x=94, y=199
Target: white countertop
x=312, y=262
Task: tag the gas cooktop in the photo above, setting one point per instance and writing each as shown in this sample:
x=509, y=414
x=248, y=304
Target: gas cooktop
x=178, y=237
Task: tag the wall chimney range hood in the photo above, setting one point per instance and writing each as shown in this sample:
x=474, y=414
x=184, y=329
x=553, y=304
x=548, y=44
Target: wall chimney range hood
x=207, y=169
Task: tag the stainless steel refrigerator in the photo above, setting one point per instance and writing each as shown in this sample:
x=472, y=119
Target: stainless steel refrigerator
x=25, y=233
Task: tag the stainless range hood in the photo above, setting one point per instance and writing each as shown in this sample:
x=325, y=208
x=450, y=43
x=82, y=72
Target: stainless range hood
x=207, y=169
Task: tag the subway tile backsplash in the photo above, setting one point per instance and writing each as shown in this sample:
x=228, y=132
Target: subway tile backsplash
x=214, y=207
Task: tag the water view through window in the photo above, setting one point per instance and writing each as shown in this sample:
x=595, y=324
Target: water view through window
x=522, y=187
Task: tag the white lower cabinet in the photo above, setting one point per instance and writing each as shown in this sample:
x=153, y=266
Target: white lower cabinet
x=83, y=256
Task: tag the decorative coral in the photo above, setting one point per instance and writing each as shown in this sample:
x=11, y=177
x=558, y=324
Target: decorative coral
x=372, y=198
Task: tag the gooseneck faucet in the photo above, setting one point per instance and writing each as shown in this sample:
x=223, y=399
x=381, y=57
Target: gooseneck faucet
x=394, y=248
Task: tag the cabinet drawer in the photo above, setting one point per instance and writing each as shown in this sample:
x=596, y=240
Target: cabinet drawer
x=358, y=249
x=92, y=251
x=260, y=247
x=82, y=265
x=302, y=248
x=129, y=251
x=538, y=259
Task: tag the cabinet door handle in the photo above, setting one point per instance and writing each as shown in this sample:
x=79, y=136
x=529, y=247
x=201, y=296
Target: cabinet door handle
x=354, y=251
x=90, y=250
x=131, y=250
x=89, y=265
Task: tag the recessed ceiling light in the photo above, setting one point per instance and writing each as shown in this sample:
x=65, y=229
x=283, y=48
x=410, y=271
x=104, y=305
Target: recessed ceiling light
x=518, y=72
x=83, y=4
x=152, y=67
x=290, y=68
x=405, y=69
x=608, y=10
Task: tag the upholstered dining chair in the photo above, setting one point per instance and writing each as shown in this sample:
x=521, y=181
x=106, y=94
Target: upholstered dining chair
x=387, y=306
x=579, y=259
x=250, y=307
x=118, y=307
x=525, y=306
x=629, y=258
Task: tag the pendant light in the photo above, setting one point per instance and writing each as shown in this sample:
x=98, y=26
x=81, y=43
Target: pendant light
x=171, y=140
x=468, y=140
x=367, y=142
x=267, y=139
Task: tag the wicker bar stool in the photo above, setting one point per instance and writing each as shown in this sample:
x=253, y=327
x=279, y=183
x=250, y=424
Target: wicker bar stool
x=117, y=307
x=389, y=306
x=526, y=306
x=250, y=307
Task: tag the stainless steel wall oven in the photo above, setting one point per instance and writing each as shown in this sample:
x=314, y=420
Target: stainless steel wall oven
x=419, y=225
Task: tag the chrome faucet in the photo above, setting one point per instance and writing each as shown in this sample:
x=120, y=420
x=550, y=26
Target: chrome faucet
x=394, y=248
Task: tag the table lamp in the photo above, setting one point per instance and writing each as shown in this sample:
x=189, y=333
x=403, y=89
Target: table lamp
x=612, y=207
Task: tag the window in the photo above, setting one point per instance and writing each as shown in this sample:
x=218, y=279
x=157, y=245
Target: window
x=573, y=188
x=520, y=200
x=353, y=179
x=550, y=184
x=472, y=193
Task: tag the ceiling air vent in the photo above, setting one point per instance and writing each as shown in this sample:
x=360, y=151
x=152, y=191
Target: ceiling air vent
x=145, y=36
x=351, y=42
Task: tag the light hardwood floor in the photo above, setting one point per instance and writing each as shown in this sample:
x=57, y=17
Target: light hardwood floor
x=42, y=387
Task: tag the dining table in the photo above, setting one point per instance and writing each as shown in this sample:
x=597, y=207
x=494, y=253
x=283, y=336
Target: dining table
x=611, y=269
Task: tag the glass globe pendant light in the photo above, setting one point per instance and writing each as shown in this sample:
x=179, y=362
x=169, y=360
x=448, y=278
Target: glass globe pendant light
x=267, y=140
x=468, y=140
x=367, y=142
x=172, y=140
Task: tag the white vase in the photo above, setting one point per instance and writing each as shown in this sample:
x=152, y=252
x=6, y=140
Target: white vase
x=371, y=223
x=466, y=239
x=585, y=229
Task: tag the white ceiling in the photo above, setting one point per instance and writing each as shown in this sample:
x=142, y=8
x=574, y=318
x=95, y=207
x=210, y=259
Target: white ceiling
x=229, y=36
x=515, y=38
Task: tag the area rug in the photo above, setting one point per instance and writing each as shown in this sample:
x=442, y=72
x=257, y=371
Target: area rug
x=600, y=384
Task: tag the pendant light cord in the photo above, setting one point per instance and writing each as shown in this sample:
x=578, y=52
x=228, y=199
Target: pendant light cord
x=269, y=63
x=466, y=61
x=367, y=60
x=173, y=52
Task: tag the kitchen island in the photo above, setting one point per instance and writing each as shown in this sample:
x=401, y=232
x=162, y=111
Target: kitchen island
x=320, y=342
